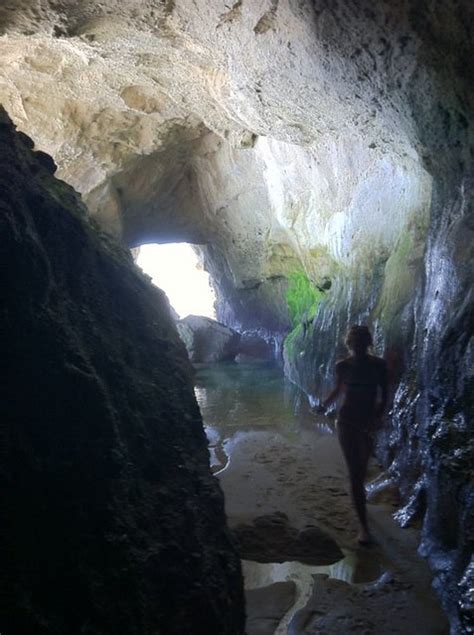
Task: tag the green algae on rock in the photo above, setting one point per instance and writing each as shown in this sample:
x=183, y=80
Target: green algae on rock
x=302, y=297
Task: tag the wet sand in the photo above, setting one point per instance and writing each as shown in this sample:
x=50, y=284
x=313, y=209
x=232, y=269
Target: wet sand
x=287, y=501
x=376, y=590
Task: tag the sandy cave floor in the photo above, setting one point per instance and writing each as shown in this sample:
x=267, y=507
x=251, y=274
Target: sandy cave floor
x=300, y=482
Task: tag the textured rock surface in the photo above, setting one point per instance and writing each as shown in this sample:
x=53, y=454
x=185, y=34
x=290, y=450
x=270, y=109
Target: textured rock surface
x=111, y=520
x=206, y=340
x=337, y=607
x=332, y=138
x=253, y=346
x=195, y=122
x=271, y=538
x=267, y=605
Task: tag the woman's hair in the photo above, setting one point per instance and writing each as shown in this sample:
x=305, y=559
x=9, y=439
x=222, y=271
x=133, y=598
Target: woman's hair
x=358, y=336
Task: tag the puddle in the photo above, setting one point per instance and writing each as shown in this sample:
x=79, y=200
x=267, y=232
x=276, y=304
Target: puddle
x=250, y=397
x=354, y=568
x=236, y=398
x=275, y=456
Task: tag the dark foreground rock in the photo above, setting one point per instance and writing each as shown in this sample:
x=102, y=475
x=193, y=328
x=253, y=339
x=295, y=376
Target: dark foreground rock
x=111, y=520
x=271, y=538
x=208, y=341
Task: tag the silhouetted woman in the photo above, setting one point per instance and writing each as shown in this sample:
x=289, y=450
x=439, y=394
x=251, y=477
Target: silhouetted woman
x=362, y=379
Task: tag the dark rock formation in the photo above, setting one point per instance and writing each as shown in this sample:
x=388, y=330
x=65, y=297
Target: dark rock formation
x=254, y=347
x=420, y=301
x=111, y=520
x=208, y=341
x=271, y=538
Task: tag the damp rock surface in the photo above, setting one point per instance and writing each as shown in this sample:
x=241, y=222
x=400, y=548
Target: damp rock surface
x=111, y=520
x=207, y=340
x=270, y=538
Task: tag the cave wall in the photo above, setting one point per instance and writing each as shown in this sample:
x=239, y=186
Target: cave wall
x=111, y=520
x=237, y=128
x=329, y=139
x=419, y=302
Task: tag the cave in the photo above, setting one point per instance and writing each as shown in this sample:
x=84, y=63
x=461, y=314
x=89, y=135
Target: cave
x=318, y=155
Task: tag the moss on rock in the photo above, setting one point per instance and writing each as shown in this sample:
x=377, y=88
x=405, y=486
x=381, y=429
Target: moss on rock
x=302, y=297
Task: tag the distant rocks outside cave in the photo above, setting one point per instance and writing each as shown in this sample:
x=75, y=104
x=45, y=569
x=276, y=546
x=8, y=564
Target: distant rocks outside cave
x=207, y=340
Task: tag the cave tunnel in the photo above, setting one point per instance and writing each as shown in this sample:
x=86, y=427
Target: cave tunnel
x=172, y=476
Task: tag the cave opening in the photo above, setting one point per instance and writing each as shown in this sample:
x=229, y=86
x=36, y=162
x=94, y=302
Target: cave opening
x=177, y=270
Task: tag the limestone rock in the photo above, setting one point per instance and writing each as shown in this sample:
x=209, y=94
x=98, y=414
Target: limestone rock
x=229, y=128
x=206, y=340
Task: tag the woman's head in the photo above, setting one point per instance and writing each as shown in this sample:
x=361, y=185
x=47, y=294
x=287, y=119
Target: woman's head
x=358, y=339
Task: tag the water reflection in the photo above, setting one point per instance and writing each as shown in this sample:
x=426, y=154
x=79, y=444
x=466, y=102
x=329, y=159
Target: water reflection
x=243, y=397
x=354, y=568
x=251, y=397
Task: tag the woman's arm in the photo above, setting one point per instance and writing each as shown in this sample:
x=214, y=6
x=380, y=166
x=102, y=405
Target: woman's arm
x=333, y=395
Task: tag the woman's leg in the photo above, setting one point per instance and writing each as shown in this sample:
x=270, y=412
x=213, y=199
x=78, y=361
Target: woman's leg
x=355, y=446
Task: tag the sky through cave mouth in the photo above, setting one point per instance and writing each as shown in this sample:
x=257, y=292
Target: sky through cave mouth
x=175, y=268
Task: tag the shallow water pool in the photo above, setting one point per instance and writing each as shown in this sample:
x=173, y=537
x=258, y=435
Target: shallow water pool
x=253, y=396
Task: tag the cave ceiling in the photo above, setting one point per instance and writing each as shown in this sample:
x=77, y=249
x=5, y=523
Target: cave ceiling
x=280, y=132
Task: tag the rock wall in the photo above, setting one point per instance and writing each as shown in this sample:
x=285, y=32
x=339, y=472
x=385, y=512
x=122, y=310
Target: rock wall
x=111, y=520
x=239, y=129
x=323, y=144
x=419, y=301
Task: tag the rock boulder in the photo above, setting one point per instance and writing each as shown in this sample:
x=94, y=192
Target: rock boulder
x=207, y=340
x=111, y=520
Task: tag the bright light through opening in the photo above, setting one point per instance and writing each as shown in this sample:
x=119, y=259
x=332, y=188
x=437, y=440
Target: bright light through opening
x=175, y=268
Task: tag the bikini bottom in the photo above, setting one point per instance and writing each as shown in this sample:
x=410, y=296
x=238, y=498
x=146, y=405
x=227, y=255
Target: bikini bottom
x=356, y=432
